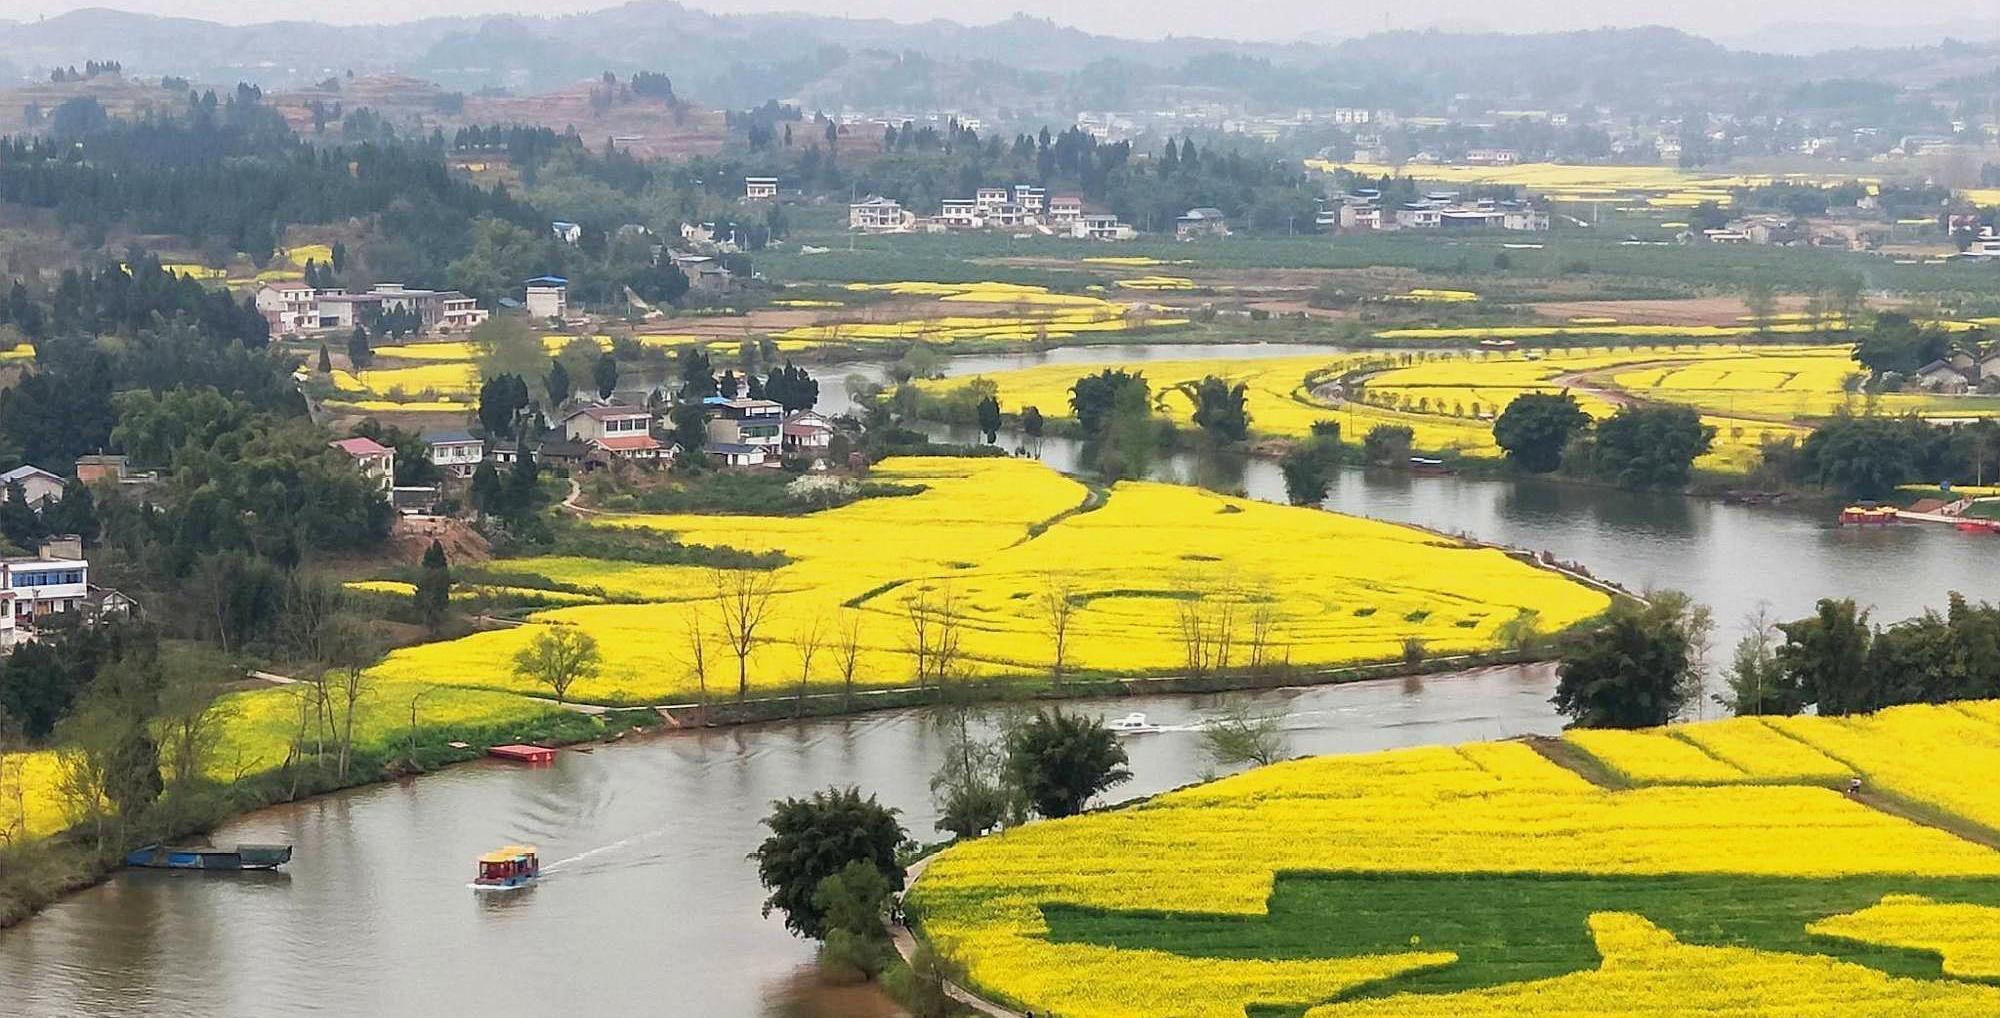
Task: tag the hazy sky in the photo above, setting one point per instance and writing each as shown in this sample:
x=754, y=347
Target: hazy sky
x=1258, y=19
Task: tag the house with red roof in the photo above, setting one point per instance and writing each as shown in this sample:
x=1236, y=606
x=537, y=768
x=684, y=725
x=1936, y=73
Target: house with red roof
x=376, y=461
x=615, y=432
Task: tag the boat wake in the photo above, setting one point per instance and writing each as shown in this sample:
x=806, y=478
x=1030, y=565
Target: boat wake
x=601, y=850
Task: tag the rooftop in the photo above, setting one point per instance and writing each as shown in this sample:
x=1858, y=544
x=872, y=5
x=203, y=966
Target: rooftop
x=449, y=438
x=359, y=446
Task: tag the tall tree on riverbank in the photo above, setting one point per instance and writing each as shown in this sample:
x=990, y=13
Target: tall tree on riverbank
x=1061, y=761
x=743, y=603
x=1221, y=410
x=1639, y=669
x=815, y=838
x=434, y=588
x=1535, y=428
x=1826, y=655
x=557, y=657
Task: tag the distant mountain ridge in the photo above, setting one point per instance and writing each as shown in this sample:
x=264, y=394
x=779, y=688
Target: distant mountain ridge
x=1021, y=64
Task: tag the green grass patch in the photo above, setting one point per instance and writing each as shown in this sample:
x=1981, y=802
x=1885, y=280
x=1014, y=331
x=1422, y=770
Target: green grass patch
x=1511, y=928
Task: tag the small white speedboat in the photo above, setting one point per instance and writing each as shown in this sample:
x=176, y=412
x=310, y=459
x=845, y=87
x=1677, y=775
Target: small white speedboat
x=1133, y=723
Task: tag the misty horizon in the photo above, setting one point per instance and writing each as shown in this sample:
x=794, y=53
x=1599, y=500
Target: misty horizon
x=1812, y=25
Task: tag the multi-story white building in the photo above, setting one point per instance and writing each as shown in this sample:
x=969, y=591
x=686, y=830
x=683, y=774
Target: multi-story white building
x=548, y=297
x=291, y=308
x=960, y=213
x=455, y=452
x=990, y=197
x=34, y=587
x=760, y=188
x=746, y=432
x=615, y=432
x=377, y=462
x=877, y=214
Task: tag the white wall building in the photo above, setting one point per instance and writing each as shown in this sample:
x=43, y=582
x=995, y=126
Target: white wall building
x=548, y=297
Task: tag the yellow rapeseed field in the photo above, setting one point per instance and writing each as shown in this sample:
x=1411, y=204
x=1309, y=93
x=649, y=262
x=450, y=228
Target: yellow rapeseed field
x=992, y=539
x=1481, y=812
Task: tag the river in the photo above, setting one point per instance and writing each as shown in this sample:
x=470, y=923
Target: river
x=651, y=906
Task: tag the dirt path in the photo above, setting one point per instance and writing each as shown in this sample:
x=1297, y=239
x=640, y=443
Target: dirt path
x=906, y=945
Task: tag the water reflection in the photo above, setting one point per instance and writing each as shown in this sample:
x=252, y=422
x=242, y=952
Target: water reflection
x=644, y=848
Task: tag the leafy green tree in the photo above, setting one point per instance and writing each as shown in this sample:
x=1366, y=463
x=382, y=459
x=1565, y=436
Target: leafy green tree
x=557, y=383
x=1632, y=671
x=1864, y=457
x=1128, y=440
x=853, y=902
x=1760, y=301
x=358, y=352
x=988, y=411
x=504, y=345
x=605, y=374
x=1310, y=466
x=502, y=398
x=1095, y=398
x=434, y=588
x=690, y=431
x=558, y=657
x=1060, y=761
x=815, y=838
x=1825, y=655
x=1757, y=685
x=1896, y=342
x=1535, y=428
x=1032, y=424
x=1222, y=410
x=1650, y=446
x=697, y=373
x=1388, y=444
x=19, y=523
x=488, y=492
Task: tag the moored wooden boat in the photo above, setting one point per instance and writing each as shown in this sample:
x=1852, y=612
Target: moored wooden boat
x=242, y=857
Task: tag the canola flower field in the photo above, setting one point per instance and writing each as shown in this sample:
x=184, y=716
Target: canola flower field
x=1750, y=394
x=994, y=539
x=257, y=726
x=1034, y=313
x=1728, y=873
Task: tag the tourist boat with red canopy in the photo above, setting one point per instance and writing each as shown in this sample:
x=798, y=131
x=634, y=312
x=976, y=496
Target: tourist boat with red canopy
x=507, y=868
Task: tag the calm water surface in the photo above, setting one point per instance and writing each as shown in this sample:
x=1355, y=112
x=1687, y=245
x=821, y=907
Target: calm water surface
x=649, y=907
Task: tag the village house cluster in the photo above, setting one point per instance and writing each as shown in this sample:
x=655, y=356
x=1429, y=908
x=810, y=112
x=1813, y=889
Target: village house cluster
x=1024, y=207
x=630, y=427
x=51, y=587
x=1364, y=209
x=294, y=309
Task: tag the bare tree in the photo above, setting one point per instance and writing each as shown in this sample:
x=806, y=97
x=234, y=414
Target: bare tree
x=949, y=613
x=557, y=657
x=847, y=648
x=1243, y=736
x=190, y=719
x=311, y=603
x=1058, y=602
x=1192, y=617
x=807, y=641
x=1263, y=630
x=917, y=608
x=695, y=644
x=416, y=699
x=352, y=650
x=744, y=599
x=1222, y=625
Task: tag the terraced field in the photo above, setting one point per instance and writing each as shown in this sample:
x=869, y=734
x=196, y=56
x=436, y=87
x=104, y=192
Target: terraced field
x=1726, y=873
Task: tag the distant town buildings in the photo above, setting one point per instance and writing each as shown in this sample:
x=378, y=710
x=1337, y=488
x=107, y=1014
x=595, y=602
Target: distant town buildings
x=1020, y=207
x=293, y=310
